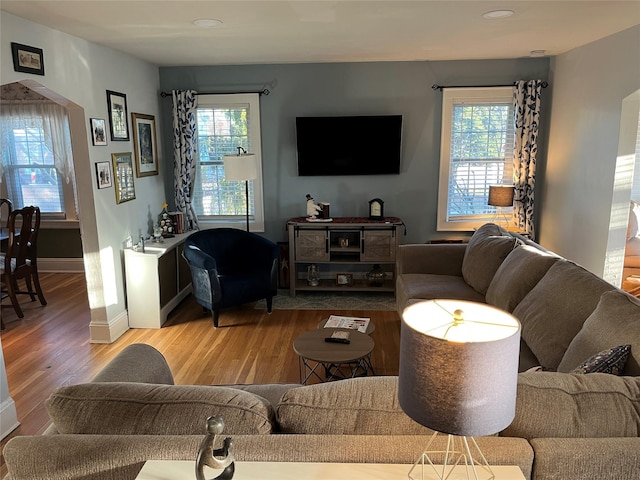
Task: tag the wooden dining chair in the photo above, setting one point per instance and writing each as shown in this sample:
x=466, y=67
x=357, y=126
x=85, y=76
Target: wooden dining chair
x=20, y=261
x=9, y=206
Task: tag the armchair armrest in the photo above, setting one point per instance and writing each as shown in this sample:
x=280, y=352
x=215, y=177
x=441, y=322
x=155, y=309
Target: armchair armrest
x=439, y=259
x=138, y=363
x=204, y=276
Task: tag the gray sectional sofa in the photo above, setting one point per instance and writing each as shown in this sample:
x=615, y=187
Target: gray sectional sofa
x=567, y=425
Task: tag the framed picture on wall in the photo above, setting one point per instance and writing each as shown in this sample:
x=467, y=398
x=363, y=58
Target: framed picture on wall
x=98, y=131
x=117, y=107
x=27, y=59
x=103, y=175
x=144, y=141
x=123, y=176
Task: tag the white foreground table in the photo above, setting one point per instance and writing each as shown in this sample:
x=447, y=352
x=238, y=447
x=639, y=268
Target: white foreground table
x=185, y=470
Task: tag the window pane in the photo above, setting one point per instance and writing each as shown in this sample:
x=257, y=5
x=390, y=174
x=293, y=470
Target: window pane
x=220, y=131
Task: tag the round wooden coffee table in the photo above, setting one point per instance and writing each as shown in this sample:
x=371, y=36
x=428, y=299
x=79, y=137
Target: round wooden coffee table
x=338, y=360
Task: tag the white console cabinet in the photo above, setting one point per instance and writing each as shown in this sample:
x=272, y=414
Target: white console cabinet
x=157, y=280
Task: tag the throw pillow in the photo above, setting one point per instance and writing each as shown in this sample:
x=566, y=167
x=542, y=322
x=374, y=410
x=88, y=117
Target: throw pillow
x=615, y=321
x=610, y=361
x=487, y=249
x=150, y=409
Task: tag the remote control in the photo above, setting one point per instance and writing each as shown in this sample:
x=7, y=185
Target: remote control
x=337, y=340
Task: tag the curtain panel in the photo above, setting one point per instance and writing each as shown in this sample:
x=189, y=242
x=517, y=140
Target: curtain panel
x=185, y=143
x=526, y=102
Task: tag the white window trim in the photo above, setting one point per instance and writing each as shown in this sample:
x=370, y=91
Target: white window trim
x=450, y=97
x=256, y=224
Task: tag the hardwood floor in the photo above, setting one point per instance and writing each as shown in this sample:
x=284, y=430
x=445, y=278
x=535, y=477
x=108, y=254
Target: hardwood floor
x=50, y=347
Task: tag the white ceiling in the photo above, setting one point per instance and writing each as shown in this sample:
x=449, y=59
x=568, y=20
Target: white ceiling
x=266, y=31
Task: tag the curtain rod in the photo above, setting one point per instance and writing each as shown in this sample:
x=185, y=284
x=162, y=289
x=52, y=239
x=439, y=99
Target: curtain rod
x=259, y=92
x=435, y=86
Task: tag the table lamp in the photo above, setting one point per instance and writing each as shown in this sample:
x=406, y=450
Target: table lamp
x=241, y=167
x=500, y=196
x=458, y=375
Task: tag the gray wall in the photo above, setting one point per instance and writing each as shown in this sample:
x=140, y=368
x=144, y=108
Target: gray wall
x=350, y=89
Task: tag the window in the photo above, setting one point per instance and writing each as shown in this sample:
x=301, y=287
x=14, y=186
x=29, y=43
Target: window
x=226, y=122
x=29, y=150
x=476, y=151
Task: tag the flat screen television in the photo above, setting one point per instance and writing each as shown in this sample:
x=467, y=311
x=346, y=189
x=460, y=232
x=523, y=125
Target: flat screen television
x=349, y=145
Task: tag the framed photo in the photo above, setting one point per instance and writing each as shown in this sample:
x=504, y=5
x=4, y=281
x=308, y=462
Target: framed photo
x=27, y=59
x=103, y=174
x=344, y=279
x=117, y=106
x=98, y=131
x=123, y=176
x=144, y=142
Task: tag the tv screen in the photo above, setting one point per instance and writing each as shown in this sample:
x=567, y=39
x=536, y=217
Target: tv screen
x=353, y=145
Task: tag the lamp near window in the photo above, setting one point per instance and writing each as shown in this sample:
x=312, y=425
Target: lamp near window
x=458, y=375
x=241, y=167
x=500, y=196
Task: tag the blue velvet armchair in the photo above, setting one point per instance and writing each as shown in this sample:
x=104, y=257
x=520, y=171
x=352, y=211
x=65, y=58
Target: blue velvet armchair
x=230, y=267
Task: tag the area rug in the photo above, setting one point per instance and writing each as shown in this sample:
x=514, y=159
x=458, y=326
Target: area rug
x=331, y=301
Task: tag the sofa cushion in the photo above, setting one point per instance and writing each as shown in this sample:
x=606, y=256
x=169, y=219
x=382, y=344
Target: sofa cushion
x=610, y=361
x=426, y=286
x=517, y=275
x=615, y=321
x=367, y=406
x=553, y=312
x=148, y=409
x=487, y=249
x=553, y=404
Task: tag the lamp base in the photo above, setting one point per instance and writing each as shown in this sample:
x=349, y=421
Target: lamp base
x=500, y=218
x=457, y=455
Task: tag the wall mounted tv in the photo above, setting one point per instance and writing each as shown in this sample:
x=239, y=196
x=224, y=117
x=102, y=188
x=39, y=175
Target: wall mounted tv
x=349, y=145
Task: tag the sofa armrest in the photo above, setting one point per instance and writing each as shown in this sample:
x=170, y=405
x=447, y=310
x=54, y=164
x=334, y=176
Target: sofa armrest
x=138, y=363
x=120, y=457
x=586, y=458
x=438, y=259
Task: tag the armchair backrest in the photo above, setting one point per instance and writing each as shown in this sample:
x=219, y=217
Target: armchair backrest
x=235, y=250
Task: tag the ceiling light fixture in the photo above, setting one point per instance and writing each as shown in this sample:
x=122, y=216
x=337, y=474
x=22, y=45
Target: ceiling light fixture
x=498, y=14
x=206, y=22
x=537, y=53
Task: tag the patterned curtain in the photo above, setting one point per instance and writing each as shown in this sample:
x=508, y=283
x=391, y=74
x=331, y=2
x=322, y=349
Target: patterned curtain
x=185, y=143
x=526, y=102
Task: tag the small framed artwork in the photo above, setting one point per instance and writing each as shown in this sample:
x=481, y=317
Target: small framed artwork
x=344, y=279
x=27, y=59
x=123, y=176
x=98, y=131
x=117, y=107
x=144, y=141
x=103, y=174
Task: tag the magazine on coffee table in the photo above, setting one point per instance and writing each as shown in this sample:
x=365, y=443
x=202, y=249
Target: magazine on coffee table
x=354, y=323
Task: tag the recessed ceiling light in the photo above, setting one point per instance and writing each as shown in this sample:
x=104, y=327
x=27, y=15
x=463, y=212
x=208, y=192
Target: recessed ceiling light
x=498, y=14
x=537, y=53
x=206, y=22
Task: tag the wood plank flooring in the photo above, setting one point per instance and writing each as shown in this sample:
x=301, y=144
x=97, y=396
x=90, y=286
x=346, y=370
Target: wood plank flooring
x=50, y=347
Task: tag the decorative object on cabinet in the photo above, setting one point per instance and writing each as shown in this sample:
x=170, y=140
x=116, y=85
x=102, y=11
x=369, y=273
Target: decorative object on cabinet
x=376, y=276
x=344, y=279
x=473, y=393
x=241, y=167
x=145, y=144
x=117, y=107
x=376, y=209
x=98, y=131
x=27, y=59
x=123, y=176
x=103, y=175
x=313, y=209
x=313, y=280
x=166, y=222
x=348, y=245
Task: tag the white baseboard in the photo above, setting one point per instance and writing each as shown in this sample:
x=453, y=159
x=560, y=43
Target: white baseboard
x=60, y=265
x=8, y=417
x=109, y=333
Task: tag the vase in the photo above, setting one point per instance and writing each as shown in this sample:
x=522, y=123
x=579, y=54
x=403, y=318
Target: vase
x=376, y=276
x=313, y=278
